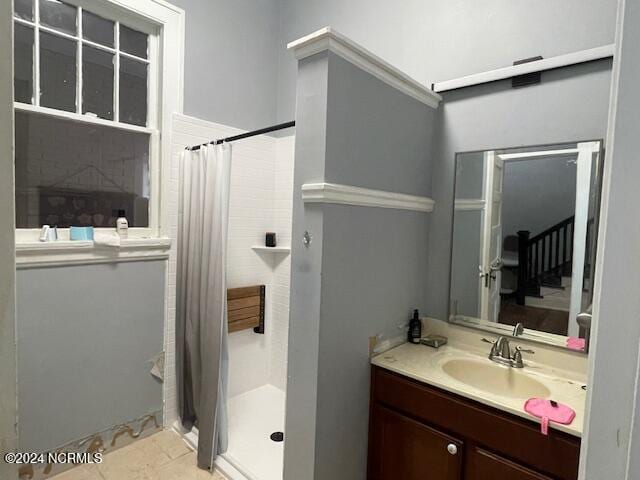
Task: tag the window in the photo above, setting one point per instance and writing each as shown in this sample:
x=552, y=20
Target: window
x=73, y=173
x=86, y=135
x=72, y=60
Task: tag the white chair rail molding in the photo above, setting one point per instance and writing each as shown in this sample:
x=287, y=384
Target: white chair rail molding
x=364, y=197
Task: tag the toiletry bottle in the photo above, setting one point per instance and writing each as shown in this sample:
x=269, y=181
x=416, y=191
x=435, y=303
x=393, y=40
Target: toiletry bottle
x=122, y=225
x=415, y=328
x=44, y=233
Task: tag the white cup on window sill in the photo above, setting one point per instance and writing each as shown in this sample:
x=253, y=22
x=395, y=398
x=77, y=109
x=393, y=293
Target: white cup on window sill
x=48, y=233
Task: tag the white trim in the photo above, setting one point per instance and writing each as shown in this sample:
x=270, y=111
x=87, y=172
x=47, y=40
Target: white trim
x=539, y=153
x=32, y=235
x=79, y=66
x=76, y=117
x=581, y=218
x=574, y=58
x=116, y=76
x=65, y=252
x=328, y=38
x=463, y=204
x=364, y=197
x=36, y=53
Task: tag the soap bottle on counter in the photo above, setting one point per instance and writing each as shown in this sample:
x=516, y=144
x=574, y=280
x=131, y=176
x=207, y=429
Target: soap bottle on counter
x=122, y=225
x=415, y=328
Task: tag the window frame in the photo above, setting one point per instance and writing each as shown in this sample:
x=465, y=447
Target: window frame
x=164, y=23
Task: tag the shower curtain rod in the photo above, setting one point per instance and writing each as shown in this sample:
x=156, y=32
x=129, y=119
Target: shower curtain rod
x=261, y=131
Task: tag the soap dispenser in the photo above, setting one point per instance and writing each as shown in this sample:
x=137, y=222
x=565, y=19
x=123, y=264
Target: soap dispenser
x=415, y=328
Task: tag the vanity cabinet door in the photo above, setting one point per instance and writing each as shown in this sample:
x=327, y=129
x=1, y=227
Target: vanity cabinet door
x=482, y=465
x=402, y=448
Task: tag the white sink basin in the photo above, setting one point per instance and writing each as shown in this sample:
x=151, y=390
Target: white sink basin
x=495, y=379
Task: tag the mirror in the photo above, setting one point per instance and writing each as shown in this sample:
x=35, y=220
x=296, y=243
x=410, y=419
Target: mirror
x=524, y=241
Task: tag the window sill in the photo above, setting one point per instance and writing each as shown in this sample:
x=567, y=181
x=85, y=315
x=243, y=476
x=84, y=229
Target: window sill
x=67, y=252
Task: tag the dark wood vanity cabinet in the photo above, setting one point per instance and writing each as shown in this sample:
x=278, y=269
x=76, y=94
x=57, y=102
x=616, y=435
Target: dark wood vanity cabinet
x=418, y=432
x=404, y=447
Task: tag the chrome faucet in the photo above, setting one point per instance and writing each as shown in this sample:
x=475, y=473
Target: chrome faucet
x=501, y=353
x=518, y=329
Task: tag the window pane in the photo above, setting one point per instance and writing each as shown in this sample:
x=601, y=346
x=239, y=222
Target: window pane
x=97, y=82
x=57, y=72
x=97, y=29
x=133, y=91
x=58, y=15
x=23, y=9
x=70, y=173
x=23, y=63
x=133, y=42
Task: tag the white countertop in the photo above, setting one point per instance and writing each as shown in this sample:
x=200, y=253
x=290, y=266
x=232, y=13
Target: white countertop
x=424, y=364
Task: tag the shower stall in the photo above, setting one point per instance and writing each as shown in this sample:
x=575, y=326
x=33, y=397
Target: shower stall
x=260, y=201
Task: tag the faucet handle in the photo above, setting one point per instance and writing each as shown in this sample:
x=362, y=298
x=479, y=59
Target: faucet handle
x=524, y=350
x=517, y=356
x=494, y=347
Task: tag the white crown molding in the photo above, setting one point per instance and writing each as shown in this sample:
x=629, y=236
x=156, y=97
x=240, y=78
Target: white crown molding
x=364, y=197
x=550, y=63
x=329, y=39
x=469, y=204
x=63, y=253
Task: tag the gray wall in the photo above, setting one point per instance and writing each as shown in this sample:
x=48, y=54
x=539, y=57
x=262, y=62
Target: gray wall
x=231, y=59
x=467, y=235
x=465, y=260
x=570, y=104
x=433, y=41
x=364, y=271
x=7, y=247
x=537, y=194
x=469, y=175
x=238, y=71
x=611, y=446
x=85, y=338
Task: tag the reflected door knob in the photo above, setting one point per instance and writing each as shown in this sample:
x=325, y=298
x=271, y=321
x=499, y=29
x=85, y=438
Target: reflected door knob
x=452, y=449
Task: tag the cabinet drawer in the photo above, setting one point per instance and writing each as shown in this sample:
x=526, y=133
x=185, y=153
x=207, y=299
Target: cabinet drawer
x=482, y=465
x=557, y=455
x=402, y=448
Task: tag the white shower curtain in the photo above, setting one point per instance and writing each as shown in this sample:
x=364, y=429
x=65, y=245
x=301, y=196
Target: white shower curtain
x=201, y=307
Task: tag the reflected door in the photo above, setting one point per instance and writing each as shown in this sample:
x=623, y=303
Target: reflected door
x=586, y=152
x=491, y=276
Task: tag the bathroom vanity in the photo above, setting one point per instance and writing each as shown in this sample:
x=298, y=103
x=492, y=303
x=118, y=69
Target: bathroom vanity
x=449, y=414
x=522, y=269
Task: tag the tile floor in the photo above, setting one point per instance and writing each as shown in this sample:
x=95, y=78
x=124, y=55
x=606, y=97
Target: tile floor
x=162, y=456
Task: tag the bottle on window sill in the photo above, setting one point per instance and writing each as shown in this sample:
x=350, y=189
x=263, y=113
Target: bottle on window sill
x=122, y=225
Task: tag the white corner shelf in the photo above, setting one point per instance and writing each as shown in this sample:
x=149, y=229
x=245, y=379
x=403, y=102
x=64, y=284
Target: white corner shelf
x=262, y=248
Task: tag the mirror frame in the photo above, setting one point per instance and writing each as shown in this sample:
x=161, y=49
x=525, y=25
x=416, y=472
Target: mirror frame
x=536, y=336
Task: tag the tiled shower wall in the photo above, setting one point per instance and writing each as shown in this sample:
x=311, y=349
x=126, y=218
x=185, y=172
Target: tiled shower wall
x=260, y=201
